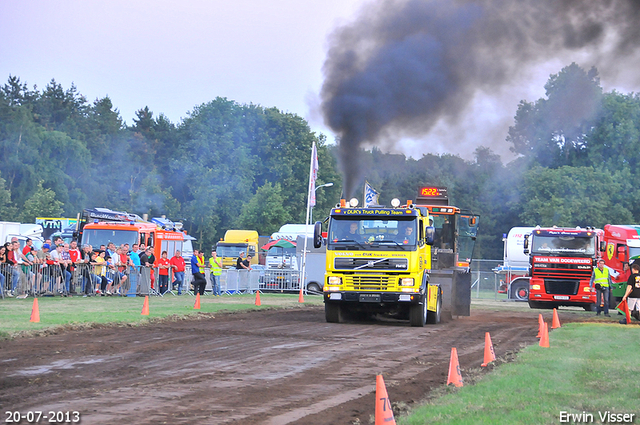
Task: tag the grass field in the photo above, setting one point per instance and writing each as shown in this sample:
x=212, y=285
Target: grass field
x=589, y=369
x=57, y=311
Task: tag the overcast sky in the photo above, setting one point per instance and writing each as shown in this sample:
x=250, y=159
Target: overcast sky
x=172, y=56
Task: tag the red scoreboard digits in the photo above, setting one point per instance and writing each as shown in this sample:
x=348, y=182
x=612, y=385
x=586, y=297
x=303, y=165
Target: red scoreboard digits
x=430, y=191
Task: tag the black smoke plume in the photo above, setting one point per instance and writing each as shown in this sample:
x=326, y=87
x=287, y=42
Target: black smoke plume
x=403, y=65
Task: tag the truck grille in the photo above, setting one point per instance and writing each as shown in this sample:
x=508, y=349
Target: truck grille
x=390, y=264
x=369, y=283
x=564, y=271
x=561, y=287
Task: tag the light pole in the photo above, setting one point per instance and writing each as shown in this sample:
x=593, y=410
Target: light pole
x=316, y=189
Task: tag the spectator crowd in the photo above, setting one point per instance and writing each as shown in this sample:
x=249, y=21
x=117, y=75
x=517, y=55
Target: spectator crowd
x=65, y=269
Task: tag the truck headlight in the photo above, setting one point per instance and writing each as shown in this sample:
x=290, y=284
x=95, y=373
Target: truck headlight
x=406, y=281
x=535, y=287
x=335, y=280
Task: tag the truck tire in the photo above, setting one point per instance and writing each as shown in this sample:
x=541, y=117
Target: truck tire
x=589, y=307
x=314, y=288
x=433, y=317
x=418, y=313
x=333, y=312
x=520, y=290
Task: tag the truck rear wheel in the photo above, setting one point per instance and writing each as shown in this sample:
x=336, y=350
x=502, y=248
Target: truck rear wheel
x=520, y=290
x=333, y=312
x=418, y=313
x=433, y=317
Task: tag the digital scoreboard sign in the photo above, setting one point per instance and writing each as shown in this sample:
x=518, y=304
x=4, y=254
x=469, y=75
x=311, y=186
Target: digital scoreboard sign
x=433, y=195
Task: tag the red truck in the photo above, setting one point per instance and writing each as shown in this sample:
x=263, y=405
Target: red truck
x=621, y=246
x=561, y=264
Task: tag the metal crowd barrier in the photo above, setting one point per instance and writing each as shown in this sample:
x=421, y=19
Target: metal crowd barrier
x=231, y=281
x=102, y=279
x=280, y=280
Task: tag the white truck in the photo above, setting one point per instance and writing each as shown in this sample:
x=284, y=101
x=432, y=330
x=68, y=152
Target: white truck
x=285, y=258
x=515, y=268
x=315, y=264
x=22, y=231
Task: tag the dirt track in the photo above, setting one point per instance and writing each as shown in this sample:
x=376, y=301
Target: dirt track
x=261, y=367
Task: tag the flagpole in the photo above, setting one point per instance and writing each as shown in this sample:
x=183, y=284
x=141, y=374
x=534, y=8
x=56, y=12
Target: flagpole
x=313, y=168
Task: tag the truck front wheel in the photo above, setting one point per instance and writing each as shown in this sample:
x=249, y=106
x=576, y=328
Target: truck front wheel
x=333, y=312
x=418, y=313
x=314, y=288
x=433, y=317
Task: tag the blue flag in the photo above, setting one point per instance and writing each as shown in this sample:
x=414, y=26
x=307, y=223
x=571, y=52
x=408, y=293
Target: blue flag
x=370, y=195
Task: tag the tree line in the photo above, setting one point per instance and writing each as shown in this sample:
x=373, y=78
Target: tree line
x=229, y=165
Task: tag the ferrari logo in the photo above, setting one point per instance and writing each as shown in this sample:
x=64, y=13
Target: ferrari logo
x=610, y=249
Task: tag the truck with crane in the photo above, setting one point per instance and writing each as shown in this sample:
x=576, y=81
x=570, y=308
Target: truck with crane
x=381, y=259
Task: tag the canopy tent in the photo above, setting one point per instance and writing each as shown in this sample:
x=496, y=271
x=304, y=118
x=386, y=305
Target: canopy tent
x=282, y=243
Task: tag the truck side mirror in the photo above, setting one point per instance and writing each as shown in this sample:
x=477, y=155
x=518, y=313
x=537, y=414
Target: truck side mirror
x=317, y=234
x=430, y=232
x=603, y=246
x=526, y=244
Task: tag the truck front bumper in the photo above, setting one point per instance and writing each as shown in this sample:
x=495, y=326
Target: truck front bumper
x=565, y=300
x=363, y=297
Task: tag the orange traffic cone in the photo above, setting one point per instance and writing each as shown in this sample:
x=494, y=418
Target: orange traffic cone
x=544, y=340
x=258, y=298
x=197, y=304
x=540, y=326
x=384, y=414
x=35, y=312
x=145, y=306
x=455, y=377
x=300, y=297
x=489, y=354
x=556, y=321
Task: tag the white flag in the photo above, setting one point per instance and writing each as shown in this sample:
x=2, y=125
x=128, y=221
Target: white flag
x=370, y=195
x=313, y=175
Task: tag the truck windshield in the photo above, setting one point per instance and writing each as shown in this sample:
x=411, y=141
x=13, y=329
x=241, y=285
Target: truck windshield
x=231, y=250
x=444, y=235
x=634, y=253
x=346, y=233
x=559, y=245
x=97, y=237
x=467, y=231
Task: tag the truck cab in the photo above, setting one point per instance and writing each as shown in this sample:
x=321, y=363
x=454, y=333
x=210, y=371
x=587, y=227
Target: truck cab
x=236, y=242
x=378, y=261
x=561, y=264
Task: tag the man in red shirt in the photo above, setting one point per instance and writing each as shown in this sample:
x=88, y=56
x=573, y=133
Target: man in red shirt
x=177, y=265
x=27, y=247
x=74, y=257
x=163, y=266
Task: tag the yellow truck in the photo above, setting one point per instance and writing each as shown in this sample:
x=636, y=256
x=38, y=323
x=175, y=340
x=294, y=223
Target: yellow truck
x=378, y=260
x=235, y=242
